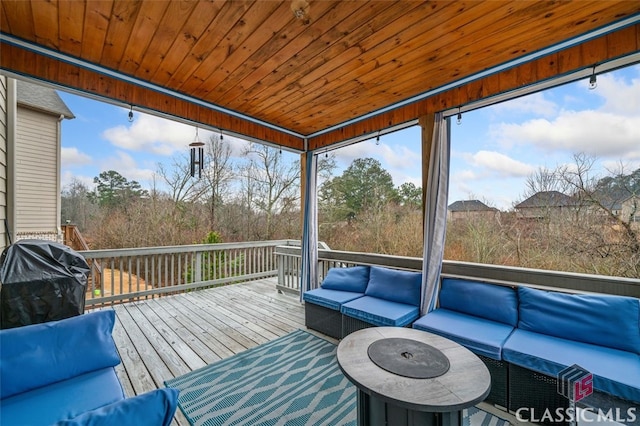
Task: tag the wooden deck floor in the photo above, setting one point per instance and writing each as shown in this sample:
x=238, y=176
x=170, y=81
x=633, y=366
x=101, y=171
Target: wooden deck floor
x=166, y=337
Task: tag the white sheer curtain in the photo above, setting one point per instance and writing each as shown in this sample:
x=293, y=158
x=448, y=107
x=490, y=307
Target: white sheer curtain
x=309, y=278
x=435, y=212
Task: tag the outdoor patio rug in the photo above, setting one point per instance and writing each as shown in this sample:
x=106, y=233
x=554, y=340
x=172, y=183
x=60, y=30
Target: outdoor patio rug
x=293, y=380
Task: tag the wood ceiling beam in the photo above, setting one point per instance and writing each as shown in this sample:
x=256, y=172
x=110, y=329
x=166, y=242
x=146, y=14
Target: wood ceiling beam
x=601, y=49
x=31, y=64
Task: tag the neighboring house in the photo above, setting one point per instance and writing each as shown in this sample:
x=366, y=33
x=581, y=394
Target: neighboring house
x=468, y=209
x=546, y=205
x=623, y=204
x=30, y=137
x=630, y=209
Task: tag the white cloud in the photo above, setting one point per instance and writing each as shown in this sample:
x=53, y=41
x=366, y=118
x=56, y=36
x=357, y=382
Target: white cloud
x=610, y=130
x=497, y=164
x=621, y=96
x=592, y=132
x=153, y=134
x=126, y=165
x=71, y=157
x=535, y=103
x=164, y=137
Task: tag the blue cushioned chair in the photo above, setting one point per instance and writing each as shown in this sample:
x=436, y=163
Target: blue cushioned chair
x=322, y=305
x=392, y=298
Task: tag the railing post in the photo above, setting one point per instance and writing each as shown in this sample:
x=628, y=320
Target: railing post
x=197, y=273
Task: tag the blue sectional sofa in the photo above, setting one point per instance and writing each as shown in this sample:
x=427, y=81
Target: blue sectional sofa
x=322, y=305
x=361, y=296
x=599, y=333
x=62, y=372
x=527, y=337
x=481, y=317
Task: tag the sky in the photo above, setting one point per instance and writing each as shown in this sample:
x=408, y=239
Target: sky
x=493, y=149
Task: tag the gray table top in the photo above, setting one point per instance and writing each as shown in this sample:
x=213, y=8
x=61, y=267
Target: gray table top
x=465, y=384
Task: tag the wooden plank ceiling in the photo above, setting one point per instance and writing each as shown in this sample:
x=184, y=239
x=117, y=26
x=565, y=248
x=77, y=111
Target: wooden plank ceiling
x=218, y=62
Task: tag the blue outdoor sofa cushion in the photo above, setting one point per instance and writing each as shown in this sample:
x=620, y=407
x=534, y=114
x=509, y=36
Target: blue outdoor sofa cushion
x=62, y=400
x=604, y=320
x=380, y=312
x=492, y=302
x=394, y=285
x=152, y=408
x=615, y=372
x=480, y=335
x=55, y=351
x=353, y=279
x=332, y=299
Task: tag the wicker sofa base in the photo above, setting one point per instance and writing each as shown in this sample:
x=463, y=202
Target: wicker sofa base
x=324, y=320
x=499, y=371
x=535, y=393
x=350, y=325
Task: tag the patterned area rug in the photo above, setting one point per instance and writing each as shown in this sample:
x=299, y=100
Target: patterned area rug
x=293, y=380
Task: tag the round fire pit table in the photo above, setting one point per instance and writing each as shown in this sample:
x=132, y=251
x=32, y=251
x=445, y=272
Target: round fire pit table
x=411, y=377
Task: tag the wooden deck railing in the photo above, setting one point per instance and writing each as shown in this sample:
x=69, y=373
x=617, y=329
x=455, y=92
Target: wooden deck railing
x=289, y=267
x=139, y=273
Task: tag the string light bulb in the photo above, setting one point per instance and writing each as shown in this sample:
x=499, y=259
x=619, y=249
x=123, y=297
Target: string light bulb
x=459, y=118
x=593, y=80
x=131, y=114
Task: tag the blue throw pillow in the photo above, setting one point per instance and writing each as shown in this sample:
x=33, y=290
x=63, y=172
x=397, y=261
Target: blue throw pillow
x=354, y=279
x=152, y=408
x=40, y=354
x=394, y=285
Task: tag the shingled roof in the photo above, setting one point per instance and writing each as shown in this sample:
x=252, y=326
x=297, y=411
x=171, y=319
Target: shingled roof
x=547, y=199
x=469, y=206
x=42, y=99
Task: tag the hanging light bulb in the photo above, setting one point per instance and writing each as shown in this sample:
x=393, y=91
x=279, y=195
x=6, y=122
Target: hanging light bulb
x=593, y=80
x=221, y=135
x=378, y=138
x=131, y=114
x=197, y=156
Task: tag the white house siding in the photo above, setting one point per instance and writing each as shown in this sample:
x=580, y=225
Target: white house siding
x=3, y=161
x=36, y=175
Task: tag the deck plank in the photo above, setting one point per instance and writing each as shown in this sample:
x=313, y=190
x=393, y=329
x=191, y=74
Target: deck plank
x=165, y=337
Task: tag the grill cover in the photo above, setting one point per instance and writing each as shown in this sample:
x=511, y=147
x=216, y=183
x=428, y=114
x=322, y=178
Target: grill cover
x=40, y=281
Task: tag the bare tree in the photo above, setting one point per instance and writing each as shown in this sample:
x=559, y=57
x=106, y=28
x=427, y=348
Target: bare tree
x=272, y=183
x=75, y=204
x=586, y=187
x=182, y=187
x=218, y=174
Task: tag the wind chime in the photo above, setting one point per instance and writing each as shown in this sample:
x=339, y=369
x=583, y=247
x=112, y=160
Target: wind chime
x=197, y=156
